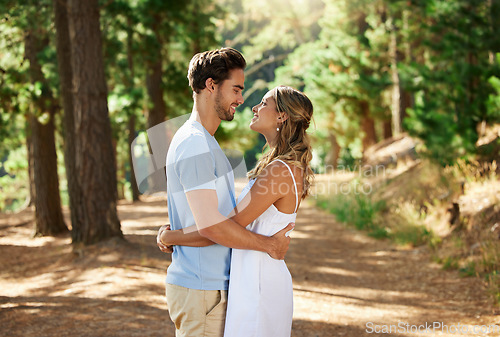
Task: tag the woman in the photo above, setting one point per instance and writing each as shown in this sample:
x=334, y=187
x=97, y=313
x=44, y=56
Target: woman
x=260, y=299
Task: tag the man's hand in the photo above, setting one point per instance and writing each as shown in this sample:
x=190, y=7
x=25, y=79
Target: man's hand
x=280, y=243
x=164, y=248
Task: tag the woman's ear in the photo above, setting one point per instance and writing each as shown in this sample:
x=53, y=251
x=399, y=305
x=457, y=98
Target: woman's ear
x=283, y=117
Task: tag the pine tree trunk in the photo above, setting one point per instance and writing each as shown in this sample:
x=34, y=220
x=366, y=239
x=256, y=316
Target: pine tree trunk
x=396, y=88
x=158, y=113
x=95, y=161
x=387, y=129
x=65, y=80
x=406, y=97
x=131, y=137
x=48, y=213
x=131, y=117
x=31, y=164
x=367, y=125
x=495, y=29
x=332, y=158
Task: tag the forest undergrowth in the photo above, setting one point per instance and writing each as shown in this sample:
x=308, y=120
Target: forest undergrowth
x=452, y=210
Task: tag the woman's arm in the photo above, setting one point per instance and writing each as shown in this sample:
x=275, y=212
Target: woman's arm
x=272, y=184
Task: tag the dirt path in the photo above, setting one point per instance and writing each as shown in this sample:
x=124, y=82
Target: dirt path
x=342, y=281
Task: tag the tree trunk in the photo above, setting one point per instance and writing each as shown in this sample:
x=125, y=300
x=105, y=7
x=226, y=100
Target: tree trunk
x=367, y=125
x=131, y=137
x=95, y=161
x=48, y=214
x=158, y=113
x=406, y=57
x=396, y=88
x=332, y=157
x=31, y=164
x=495, y=29
x=387, y=129
x=131, y=117
x=195, y=28
x=65, y=83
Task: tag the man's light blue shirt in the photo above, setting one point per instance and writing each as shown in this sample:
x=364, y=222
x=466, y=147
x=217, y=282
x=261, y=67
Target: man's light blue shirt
x=195, y=161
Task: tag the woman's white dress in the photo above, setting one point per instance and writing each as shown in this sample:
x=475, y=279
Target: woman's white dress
x=260, y=300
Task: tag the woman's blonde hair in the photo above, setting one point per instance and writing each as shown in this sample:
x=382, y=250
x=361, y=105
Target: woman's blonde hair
x=293, y=144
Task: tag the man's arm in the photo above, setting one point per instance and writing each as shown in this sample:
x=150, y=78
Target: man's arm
x=267, y=189
x=222, y=230
x=167, y=238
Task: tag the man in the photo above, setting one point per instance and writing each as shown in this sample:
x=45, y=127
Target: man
x=200, y=191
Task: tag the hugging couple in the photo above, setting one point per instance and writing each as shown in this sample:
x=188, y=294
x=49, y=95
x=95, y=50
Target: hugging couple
x=227, y=276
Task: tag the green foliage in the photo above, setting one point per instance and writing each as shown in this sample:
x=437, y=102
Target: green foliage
x=469, y=269
x=443, y=62
x=452, y=86
x=356, y=209
x=236, y=135
x=267, y=32
x=493, y=103
x=449, y=263
x=13, y=180
x=344, y=67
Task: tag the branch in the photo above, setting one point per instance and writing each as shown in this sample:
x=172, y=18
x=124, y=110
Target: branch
x=270, y=60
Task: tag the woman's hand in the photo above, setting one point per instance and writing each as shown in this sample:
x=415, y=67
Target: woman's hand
x=163, y=247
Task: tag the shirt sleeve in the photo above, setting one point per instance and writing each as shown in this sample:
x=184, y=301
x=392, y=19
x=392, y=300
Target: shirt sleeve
x=195, y=165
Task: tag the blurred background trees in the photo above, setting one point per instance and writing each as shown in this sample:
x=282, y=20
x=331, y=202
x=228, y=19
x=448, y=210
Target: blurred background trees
x=373, y=69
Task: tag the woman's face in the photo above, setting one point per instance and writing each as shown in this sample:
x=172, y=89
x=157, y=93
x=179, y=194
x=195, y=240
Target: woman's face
x=265, y=115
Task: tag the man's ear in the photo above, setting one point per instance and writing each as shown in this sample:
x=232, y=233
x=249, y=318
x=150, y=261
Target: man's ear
x=209, y=84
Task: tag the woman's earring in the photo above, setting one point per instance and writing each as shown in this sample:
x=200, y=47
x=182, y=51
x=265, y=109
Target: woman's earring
x=278, y=129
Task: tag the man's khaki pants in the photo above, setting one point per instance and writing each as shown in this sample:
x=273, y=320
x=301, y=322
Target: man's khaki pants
x=197, y=313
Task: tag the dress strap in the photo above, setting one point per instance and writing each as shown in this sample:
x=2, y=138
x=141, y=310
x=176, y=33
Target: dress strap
x=294, y=184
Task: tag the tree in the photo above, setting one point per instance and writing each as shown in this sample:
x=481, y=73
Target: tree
x=95, y=205
x=32, y=96
x=451, y=84
x=345, y=74
x=65, y=82
x=48, y=213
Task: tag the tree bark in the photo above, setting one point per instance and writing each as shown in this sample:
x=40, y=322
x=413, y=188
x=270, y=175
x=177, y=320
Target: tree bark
x=95, y=161
x=65, y=80
x=131, y=137
x=332, y=158
x=158, y=113
x=495, y=29
x=48, y=213
x=396, y=87
x=387, y=129
x=131, y=117
x=31, y=164
x=367, y=125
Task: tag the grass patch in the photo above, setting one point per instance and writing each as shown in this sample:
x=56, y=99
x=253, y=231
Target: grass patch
x=401, y=223
x=414, y=235
x=357, y=210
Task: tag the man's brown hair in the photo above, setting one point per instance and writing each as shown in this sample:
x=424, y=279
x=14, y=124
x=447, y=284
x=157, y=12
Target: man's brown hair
x=215, y=64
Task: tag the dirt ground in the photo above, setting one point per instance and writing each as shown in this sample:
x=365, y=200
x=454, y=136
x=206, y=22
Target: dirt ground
x=345, y=284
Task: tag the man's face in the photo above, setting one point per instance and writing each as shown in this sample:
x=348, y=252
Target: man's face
x=229, y=95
